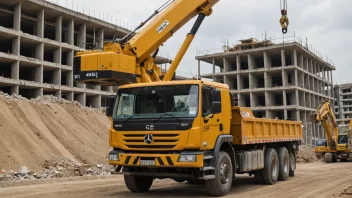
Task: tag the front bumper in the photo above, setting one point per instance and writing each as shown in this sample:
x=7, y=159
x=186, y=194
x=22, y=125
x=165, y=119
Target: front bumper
x=161, y=160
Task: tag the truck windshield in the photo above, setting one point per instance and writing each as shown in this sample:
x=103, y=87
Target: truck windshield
x=320, y=143
x=157, y=102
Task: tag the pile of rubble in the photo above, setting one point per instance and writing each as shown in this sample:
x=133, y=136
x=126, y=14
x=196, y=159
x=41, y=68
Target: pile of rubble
x=56, y=168
x=306, y=154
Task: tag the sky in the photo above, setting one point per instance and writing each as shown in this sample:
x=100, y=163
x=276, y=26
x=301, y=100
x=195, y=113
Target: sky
x=325, y=24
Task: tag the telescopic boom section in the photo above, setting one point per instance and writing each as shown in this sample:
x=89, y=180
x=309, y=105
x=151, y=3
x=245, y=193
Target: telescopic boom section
x=130, y=61
x=326, y=117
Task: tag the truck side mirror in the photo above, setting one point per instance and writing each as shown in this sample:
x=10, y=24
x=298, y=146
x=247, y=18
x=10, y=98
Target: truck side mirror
x=216, y=100
x=110, y=102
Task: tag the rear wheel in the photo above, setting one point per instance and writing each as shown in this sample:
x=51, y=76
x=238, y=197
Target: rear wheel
x=292, y=165
x=334, y=157
x=328, y=157
x=221, y=185
x=271, y=166
x=284, y=163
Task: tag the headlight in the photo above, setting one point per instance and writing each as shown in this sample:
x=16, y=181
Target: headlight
x=114, y=157
x=187, y=158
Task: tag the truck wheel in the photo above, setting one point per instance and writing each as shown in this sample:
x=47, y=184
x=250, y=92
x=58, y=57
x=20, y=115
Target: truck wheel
x=195, y=181
x=138, y=184
x=292, y=165
x=258, y=174
x=328, y=157
x=271, y=166
x=221, y=185
x=284, y=163
x=334, y=157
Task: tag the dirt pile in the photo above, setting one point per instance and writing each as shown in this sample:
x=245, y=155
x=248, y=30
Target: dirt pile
x=347, y=192
x=306, y=154
x=56, y=167
x=33, y=131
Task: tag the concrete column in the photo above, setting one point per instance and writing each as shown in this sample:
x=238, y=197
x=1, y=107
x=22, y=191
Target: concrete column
x=199, y=70
x=283, y=58
x=15, y=90
x=295, y=61
x=40, y=23
x=57, y=55
x=297, y=98
x=70, y=55
x=296, y=78
x=39, y=74
x=39, y=51
x=332, y=85
x=81, y=98
x=268, y=80
x=301, y=61
x=17, y=17
x=284, y=78
x=81, y=85
x=81, y=39
x=238, y=62
x=96, y=101
x=253, y=83
x=58, y=29
x=69, y=79
x=213, y=69
x=70, y=32
x=267, y=61
x=227, y=65
x=16, y=46
x=70, y=96
x=57, y=77
x=15, y=70
x=58, y=93
x=38, y=92
x=101, y=38
x=251, y=62
x=239, y=82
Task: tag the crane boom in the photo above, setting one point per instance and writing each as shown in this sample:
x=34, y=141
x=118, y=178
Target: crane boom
x=128, y=61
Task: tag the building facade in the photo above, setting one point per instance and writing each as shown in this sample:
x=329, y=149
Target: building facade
x=275, y=80
x=343, y=105
x=38, y=42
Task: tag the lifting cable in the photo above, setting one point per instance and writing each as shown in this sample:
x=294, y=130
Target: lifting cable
x=284, y=19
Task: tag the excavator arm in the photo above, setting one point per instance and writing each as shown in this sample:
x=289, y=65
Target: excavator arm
x=131, y=60
x=326, y=117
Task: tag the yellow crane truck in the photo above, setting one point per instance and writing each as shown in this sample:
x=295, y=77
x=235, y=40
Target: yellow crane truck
x=184, y=130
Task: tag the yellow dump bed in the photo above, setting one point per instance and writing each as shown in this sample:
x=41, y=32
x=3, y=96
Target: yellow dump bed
x=246, y=129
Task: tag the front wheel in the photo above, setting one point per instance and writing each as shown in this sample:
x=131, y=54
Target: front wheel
x=221, y=185
x=138, y=184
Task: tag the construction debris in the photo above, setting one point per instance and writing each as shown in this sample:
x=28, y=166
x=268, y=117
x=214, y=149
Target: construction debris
x=306, y=154
x=57, y=167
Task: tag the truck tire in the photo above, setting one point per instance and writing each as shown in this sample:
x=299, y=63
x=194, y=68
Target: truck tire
x=292, y=165
x=258, y=174
x=221, y=185
x=328, y=157
x=284, y=163
x=271, y=166
x=334, y=157
x=138, y=184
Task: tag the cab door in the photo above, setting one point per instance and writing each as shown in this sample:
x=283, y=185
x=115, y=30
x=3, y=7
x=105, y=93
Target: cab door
x=212, y=125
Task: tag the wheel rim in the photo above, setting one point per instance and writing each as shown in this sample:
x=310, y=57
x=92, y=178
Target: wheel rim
x=286, y=164
x=224, y=173
x=273, y=167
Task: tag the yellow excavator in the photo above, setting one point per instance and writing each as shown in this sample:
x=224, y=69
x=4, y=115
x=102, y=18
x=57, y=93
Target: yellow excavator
x=319, y=149
x=337, y=146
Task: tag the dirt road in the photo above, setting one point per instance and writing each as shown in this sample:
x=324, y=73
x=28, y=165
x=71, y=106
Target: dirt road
x=311, y=180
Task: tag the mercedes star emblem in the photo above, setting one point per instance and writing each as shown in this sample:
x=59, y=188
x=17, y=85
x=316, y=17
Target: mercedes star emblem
x=148, y=139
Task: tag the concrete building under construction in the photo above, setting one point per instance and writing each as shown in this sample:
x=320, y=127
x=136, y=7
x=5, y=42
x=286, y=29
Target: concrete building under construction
x=343, y=105
x=38, y=42
x=283, y=81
